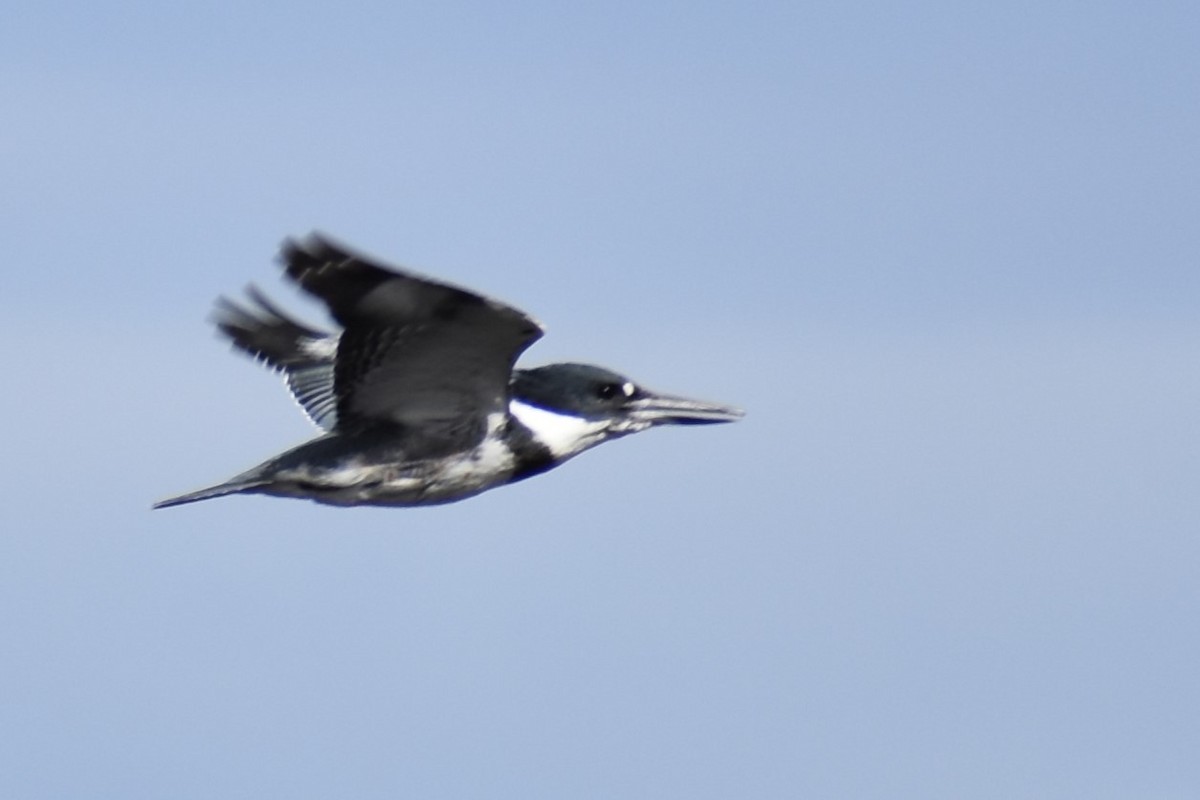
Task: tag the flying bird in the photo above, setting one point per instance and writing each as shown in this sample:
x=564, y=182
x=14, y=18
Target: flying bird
x=418, y=396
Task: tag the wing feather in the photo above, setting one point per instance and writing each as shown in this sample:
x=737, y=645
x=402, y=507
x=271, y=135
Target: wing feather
x=414, y=352
x=303, y=354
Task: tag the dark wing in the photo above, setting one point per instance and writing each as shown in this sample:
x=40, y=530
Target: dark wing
x=305, y=355
x=432, y=358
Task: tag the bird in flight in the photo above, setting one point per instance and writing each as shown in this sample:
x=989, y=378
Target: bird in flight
x=417, y=396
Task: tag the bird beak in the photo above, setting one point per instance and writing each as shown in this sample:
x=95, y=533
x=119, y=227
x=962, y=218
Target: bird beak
x=665, y=409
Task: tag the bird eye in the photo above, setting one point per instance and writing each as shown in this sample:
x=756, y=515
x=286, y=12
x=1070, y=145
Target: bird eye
x=607, y=391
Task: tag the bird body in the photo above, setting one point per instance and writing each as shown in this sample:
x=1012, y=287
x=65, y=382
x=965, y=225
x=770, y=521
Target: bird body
x=385, y=468
x=418, y=395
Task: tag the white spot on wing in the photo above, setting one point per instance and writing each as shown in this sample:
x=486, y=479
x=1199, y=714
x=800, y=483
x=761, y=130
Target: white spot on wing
x=324, y=347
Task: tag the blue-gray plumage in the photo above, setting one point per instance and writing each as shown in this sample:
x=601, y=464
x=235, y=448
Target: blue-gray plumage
x=418, y=395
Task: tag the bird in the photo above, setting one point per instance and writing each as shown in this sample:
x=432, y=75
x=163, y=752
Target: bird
x=418, y=396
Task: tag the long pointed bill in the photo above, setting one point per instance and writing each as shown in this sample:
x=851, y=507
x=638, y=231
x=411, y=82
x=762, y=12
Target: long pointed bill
x=665, y=409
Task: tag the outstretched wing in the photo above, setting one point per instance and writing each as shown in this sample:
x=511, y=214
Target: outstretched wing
x=305, y=355
x=416, y=353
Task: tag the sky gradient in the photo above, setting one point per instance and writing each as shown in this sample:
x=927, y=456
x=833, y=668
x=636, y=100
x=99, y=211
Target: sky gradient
x=944, y=255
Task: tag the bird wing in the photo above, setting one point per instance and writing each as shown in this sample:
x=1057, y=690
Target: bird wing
x=429, y=357
x=304, y=355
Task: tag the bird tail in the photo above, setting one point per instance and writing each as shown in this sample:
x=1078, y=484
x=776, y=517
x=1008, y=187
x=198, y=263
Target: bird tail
x=220, y=490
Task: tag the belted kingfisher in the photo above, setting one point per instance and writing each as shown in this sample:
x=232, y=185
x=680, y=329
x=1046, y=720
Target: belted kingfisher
x=418, y=395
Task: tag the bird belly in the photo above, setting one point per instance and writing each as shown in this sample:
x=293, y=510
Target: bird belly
x=429, y=482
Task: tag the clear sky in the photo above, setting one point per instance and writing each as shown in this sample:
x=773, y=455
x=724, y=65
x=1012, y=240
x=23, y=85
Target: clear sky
x=946, y=254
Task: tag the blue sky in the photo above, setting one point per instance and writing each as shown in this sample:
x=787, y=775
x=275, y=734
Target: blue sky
x=945, y=256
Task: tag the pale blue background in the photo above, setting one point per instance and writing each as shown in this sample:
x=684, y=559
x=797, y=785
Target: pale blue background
x=946, y=254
